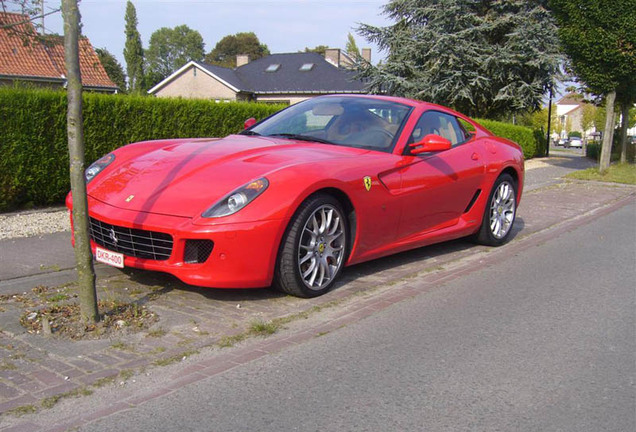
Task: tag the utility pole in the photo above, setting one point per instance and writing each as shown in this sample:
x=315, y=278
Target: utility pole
x=42, y=19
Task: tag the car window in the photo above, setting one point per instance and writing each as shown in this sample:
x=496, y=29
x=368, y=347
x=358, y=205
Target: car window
x=350, y=121
x=438, y=123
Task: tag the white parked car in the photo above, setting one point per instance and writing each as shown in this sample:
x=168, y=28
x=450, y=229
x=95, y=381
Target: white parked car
x=575, y=142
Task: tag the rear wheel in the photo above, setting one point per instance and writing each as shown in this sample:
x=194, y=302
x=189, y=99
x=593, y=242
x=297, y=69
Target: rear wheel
x=500, y=212
x=314, y=248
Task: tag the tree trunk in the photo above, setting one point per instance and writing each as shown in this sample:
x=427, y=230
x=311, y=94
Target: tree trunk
x=75, y=131
x=624, y=126
x=608, y=135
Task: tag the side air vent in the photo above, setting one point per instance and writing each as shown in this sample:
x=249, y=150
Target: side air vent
x=472, y=201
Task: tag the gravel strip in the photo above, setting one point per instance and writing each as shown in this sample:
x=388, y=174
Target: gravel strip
x=33, y=223
x=531, y=164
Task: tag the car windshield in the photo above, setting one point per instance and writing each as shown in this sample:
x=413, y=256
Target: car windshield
x=350, y=121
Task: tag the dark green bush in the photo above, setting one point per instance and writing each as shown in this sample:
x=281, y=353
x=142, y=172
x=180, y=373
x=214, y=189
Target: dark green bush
x=531, y=141
x=593, y=151
x=34, y=167
x=574, y=134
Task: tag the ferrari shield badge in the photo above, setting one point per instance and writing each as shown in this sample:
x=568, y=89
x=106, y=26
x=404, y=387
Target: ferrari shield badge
x=130, y=198
x=367, y=183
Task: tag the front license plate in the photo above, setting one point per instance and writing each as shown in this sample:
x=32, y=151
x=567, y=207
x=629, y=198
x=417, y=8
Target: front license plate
x=108, y=257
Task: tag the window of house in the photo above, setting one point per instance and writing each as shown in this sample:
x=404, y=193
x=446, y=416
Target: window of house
x=273, y=67
x=306, y=67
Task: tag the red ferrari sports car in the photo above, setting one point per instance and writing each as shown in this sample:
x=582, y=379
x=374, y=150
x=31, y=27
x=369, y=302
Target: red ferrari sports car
x=291, y=200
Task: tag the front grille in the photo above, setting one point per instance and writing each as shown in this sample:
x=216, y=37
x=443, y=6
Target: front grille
x=131, y=242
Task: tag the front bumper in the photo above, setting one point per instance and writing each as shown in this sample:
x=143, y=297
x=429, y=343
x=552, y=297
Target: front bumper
x=243, y=255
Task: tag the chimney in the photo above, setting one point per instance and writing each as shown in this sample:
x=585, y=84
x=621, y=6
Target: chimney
x=366, y=54
x=332, y=55
x=242, y=59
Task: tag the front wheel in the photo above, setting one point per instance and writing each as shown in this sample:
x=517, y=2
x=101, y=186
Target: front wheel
x=314, y=248
x=500, y=212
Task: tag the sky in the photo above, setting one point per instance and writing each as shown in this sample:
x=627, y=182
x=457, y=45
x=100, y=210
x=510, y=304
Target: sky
x=283, y=25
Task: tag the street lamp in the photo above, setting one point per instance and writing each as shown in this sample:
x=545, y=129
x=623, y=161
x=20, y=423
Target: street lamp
x=547, y=147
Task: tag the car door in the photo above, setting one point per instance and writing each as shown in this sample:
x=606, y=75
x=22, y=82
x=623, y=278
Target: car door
x=436, y=188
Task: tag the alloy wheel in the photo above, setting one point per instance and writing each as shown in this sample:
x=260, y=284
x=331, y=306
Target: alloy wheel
x=502, y=210
x=321, y=247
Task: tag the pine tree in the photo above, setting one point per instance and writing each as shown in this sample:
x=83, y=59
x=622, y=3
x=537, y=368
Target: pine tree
x=133, y=51
x=482, y=58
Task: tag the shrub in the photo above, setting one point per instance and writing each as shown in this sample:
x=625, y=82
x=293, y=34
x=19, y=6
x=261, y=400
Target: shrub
x=593, y=150
x=574, y=134
x=34, y=168
x=531, y=141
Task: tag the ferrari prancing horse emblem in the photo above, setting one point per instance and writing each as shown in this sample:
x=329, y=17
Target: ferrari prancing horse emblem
x=367, y=183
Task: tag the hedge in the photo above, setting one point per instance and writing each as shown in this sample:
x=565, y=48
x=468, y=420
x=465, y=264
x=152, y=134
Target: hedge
x=34, y=166
x=533, y=142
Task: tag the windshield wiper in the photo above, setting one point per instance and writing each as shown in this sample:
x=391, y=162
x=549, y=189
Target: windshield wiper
x=301, y=138
x=249, y=132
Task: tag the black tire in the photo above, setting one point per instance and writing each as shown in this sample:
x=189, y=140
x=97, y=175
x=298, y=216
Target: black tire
x=499, y=214
x=310, y=260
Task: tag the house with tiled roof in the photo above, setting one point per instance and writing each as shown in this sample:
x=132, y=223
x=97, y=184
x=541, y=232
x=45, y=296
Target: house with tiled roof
x=277, y=78
x=26, y=56
x=569, y=111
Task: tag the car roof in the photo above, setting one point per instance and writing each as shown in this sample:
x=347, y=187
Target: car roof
x=397, y=99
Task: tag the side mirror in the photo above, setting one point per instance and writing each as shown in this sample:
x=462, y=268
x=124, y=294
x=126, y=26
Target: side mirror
x=249, y=123
x=430, y=143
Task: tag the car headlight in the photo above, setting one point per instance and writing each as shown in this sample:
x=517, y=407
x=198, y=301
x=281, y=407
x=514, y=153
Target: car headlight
x=97, y=166
x=238, y=199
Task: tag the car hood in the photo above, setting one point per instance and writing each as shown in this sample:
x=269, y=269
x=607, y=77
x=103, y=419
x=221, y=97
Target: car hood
x=185, y=177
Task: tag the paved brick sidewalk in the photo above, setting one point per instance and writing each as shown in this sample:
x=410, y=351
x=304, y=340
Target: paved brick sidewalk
x=34, y=368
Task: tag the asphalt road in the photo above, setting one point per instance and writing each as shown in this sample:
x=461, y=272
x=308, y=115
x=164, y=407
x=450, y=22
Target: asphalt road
x=543, y=341
x=559, y=164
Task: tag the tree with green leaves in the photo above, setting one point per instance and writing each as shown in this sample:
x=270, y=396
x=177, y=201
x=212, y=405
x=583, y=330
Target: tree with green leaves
x=225, y=51
x=113, y=69
x=171, y=48
x=588, y=112
x=75, y=131
x=535, y=120
x=490, y=59
x=352, y=48
x=320, y=49
x=31, y=8
x=133, y=51
x=599, y=38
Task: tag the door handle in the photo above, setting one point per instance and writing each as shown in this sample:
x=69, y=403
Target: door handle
x=475, y=156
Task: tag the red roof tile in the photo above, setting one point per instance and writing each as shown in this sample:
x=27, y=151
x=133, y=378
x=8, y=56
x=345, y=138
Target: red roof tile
x=23, y=53
x=571, y=99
